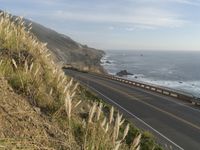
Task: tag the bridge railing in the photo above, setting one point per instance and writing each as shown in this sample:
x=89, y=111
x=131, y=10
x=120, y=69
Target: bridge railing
x=155, y=88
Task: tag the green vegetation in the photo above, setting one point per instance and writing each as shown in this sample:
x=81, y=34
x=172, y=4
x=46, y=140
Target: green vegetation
x=83, y=120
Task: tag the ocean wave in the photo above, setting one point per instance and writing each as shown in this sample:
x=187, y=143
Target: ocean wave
x=136, y=76
x=106, y=59
x=192, y=87
x=169, y=73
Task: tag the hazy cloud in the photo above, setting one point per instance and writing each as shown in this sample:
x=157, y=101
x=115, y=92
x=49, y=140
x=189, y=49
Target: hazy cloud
x=144, y=13
x=141, y=16
x=117, y=23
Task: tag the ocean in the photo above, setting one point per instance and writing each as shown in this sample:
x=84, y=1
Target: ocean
x=179, y=70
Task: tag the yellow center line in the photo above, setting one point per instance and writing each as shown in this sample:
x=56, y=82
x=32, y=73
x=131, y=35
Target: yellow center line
x=150, y=105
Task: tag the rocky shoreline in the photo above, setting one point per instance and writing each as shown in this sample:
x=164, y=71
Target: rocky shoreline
x=123, y=73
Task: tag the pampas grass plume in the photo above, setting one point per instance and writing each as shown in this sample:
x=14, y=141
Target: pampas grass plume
x=126, y=131
x=111, y=115
x=91, y=113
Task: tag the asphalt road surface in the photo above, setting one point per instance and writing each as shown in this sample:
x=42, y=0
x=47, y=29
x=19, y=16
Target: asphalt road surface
x=174, y=123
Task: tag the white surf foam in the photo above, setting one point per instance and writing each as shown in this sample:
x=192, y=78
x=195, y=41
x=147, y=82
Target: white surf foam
x=192, y=87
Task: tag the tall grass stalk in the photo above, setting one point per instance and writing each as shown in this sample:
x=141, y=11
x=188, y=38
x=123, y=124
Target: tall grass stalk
x=45, y=85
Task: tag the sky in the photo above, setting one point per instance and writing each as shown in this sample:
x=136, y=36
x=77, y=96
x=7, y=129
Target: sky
x=118, y=24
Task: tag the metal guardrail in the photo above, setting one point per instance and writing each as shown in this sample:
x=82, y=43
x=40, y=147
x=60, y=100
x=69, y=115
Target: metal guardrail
x=150, y=87
x=155, y=88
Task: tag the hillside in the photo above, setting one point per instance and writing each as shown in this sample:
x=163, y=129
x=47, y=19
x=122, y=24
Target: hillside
x=67, y=50
x=42, y=108
x=21, y=123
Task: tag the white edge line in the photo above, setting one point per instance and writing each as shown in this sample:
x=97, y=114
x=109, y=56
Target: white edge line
x=163, y=96
x=135, y=117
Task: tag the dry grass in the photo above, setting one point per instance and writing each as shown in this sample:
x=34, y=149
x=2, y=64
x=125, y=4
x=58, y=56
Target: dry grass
x=27, y=65
x=23, y=126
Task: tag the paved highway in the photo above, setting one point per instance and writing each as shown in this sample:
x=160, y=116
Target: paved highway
x=174, y=123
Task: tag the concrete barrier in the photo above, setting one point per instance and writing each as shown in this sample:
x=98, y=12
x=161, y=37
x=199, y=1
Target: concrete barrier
x=147, y=87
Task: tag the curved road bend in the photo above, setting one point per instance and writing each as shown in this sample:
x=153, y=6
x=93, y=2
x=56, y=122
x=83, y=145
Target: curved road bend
x=174, y=123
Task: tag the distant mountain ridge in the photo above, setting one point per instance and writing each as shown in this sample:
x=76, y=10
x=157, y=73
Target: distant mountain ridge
x=67, y=50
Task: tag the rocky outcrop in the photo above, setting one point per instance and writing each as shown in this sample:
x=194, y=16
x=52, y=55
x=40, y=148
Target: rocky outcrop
x=123, y=73
x=108, y=62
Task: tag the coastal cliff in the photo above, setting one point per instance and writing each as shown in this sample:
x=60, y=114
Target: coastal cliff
x=68, y=51
x=42, y=108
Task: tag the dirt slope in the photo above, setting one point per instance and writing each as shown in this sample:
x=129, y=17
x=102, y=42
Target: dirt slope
x=24, y=126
